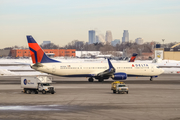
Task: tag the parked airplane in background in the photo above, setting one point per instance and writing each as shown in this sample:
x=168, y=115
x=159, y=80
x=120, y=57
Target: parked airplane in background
x=133, y=57
x=125, y=59
x=100, y=71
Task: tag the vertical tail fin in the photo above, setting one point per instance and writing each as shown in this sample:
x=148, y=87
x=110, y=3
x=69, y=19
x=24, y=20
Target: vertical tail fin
x=133, y=57
x=111, y=68
x=37, y=54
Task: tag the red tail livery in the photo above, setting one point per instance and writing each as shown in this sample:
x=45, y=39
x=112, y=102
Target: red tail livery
x=37, y=54
x=133, y=57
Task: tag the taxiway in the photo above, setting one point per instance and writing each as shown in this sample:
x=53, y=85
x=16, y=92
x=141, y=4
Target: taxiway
x=77, y=99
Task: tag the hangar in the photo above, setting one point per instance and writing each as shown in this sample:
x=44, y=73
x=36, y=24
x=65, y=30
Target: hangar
x=168, y=53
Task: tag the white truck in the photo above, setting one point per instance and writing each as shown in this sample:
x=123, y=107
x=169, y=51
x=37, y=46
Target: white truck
x=119, y=87
x=37, y=84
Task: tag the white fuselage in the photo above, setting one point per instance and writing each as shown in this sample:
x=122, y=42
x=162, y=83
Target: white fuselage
x=83, y=69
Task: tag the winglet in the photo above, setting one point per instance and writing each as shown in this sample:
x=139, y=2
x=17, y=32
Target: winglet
x=37, y=54
x=133, y=57
x=110, y=65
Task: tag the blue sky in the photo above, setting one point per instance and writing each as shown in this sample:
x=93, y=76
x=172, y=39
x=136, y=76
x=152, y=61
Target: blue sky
x=62, y=21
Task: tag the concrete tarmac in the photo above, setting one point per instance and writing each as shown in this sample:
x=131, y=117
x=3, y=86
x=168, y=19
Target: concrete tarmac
x=77, y=99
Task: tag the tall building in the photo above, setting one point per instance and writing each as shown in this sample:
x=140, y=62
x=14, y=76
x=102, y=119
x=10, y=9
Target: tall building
x=108, y=36
x=139, y=41
x=92, y=38
x=125, y=37
x=115, y=42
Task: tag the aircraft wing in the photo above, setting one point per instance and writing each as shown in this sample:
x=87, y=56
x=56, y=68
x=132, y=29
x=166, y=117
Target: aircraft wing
x=109, y=72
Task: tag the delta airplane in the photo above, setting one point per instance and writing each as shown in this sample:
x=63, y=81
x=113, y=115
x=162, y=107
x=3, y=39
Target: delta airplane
x=100, y=71
x=133, y=57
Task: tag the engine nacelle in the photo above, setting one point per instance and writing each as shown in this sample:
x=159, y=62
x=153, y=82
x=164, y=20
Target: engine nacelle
x=119, y=76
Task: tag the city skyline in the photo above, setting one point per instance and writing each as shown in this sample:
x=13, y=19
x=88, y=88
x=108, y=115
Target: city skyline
x=92, y=36
x=125, y=37
x=63, y=21
x=109, y=36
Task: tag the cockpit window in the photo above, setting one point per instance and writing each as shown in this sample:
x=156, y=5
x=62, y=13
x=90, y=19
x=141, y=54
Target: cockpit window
x=157, y=66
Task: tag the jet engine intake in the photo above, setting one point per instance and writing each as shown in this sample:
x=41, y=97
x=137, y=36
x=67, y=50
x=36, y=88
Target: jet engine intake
x=119, y=76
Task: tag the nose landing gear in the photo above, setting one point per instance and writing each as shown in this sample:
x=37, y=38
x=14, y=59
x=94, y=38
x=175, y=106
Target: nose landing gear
x=151, y=78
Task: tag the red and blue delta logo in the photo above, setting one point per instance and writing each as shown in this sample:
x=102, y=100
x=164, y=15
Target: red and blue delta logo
x=140, y=65
x=25, y=81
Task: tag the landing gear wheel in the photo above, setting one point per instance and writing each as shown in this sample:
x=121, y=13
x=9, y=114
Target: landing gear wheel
x=24, y=91
x=151, y=78
x=90, y=79
x=100, y=79
x=114, y=91
x=36, y=92
x=52, y=92
x=43, y=92
x=28, y=91
x=127, y=92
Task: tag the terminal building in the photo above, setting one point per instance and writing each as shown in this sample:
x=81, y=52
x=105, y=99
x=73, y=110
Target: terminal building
x=168, y=53
x=4, y=53
x=49, y=52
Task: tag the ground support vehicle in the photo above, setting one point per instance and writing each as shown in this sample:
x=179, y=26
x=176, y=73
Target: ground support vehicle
x=119, y=87
x=37, y=84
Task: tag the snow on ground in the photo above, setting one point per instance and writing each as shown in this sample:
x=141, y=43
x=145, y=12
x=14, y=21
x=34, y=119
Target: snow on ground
x=5, y=72
x=171, y=70
x=16, y=67
x=29, y=73
x=15, y=61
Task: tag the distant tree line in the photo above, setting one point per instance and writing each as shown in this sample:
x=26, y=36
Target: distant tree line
x=104, y=48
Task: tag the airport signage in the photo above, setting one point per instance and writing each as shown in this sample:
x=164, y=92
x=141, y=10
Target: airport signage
x=27, y=82
x=158, y=54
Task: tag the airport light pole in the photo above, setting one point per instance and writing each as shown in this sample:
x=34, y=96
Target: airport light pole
x=163, y=41
x=66, y=53
x=81, y=52
x=140, y=51
x=58, y=50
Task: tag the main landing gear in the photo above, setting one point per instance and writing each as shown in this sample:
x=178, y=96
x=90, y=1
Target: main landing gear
x=100, y=79
x=151, y=78
x=90, y=79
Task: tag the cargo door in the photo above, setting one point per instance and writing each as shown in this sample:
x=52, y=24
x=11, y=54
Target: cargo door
x=53, y=68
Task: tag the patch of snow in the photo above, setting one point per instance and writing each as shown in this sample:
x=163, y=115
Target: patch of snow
x=5, y=72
